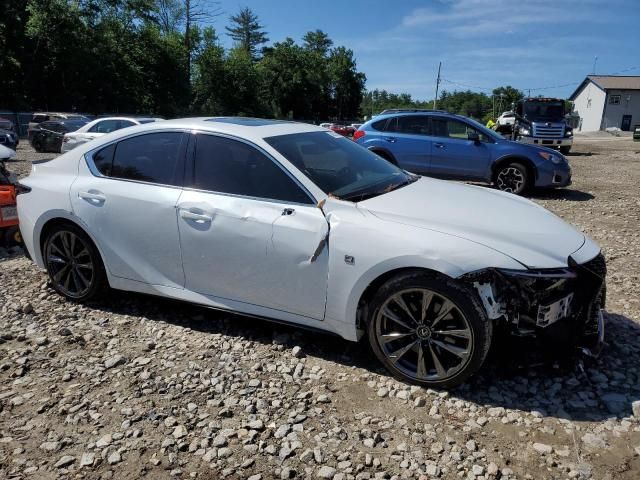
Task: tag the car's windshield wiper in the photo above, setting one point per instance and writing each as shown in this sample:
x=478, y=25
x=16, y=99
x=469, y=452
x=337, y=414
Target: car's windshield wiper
x=366, y=194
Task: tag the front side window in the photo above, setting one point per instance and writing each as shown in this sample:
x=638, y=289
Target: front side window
x=105, y=126
x=339, y=166
x=449, y=128
x=230, y=166
x=154, y=157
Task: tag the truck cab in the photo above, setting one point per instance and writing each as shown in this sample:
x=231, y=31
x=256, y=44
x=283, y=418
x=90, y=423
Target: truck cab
x=541, y=121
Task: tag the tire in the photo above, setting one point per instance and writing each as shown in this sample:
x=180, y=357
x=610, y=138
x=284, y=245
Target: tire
x=512, y=178
x=37, y=146
x=73, y=263
x=565, y=150
x=12, y=236
x=399, y=340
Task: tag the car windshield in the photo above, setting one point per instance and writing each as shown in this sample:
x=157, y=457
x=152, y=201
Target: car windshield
x=543, y=111
x=339, y=166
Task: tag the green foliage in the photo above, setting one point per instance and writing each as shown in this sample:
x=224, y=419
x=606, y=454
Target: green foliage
x=247, y=31
x=155, y=57
x=479, y=106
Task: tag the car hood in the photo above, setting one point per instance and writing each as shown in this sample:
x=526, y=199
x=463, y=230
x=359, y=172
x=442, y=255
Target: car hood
x=501, y=221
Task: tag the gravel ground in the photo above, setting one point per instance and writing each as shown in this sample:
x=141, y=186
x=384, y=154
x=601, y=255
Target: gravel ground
x=135, y=386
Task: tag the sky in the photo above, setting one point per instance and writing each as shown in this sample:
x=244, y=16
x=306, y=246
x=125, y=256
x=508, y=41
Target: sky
x=547, y=46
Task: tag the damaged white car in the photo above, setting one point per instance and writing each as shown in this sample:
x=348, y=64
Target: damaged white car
x=293, y=223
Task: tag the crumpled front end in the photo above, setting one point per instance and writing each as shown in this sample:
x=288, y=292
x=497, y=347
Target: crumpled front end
x=562, y=305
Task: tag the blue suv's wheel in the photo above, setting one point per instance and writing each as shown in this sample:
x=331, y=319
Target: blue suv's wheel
x=512, y=178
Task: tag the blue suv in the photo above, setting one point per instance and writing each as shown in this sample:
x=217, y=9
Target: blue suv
x=441, y=144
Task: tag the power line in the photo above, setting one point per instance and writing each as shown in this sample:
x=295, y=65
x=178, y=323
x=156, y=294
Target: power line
x=533, y=89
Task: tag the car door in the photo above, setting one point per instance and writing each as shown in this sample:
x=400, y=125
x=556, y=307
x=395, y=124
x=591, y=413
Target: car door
x=409, y=141
x=453, y=154
x=125, y=195
x=249, y=232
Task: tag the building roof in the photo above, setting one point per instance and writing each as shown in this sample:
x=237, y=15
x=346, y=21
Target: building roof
x=610, y=82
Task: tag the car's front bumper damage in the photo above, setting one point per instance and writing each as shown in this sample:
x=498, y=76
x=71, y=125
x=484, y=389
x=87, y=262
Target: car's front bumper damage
x=563, y=306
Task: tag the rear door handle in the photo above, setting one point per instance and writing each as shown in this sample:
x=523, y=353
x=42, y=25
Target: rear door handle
x=391, y=139
x=198, y=217
x=439, y=145
x=96, y=196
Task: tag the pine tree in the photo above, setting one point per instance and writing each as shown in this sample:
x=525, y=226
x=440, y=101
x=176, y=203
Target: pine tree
x=247, y=31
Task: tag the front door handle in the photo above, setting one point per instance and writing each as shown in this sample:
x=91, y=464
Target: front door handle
x=391, y=139
x=439, y=145
x=95, y=196
x=198, y=217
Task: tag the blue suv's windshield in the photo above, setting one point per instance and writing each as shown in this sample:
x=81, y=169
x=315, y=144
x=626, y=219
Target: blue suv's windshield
x=339, y=166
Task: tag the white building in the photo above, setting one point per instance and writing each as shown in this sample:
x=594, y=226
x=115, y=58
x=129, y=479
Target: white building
x=604, y=101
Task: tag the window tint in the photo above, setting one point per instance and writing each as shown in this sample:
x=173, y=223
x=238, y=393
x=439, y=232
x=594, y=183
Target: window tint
x=413, y=124
x=126, y=123
x=443, y=127
x=103, y=159
x=150, y=158
x=39, y=118
x=379, y=125
x=229, y=166
x=105, y=126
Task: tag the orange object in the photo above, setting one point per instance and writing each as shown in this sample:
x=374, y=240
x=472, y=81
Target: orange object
x=9, y=231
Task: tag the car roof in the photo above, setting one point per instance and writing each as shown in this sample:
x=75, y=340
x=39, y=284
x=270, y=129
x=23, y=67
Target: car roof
x=244, y=127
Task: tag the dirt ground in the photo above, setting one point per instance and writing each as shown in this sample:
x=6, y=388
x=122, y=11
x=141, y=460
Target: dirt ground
x=136, y=387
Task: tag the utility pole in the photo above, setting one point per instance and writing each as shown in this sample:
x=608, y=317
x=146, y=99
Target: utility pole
x=595, y=62
x=435, y=100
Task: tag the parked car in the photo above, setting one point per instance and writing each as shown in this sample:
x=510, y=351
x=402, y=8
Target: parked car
x=6, y=124
x=99, y=127
x=505, y=122
x=9, y=139
x=47, y=136
x=356, y=126
x=344, y=130
x=39, y=117
x=325, y=125
x=445, y=145
x=288, y=221
x=9, y=231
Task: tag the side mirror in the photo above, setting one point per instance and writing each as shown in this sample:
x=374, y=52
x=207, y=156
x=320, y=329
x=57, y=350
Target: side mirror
x=473, y=136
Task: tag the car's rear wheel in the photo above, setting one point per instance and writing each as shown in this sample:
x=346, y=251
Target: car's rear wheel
x=73, y=263
x=37, y=146
x=428, y=330
x=512, y=178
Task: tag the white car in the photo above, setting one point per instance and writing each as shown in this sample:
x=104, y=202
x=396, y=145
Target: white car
x=6, y=153
x=99, y=127
x=290, y=222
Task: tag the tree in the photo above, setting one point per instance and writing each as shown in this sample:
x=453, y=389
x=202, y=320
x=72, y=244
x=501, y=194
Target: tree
x=317, y=42
x=347, y=84
x=247, y=31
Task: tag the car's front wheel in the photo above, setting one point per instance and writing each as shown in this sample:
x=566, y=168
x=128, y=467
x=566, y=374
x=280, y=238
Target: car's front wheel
x=428, y=330
x=512, y=178
x=73, y=263
x=565, y=150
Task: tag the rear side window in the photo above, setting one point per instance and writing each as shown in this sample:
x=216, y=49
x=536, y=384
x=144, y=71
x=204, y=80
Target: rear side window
x=229, y=166
x=154, y=158
x=379, y=125
x=39, y=118
x=413, y=124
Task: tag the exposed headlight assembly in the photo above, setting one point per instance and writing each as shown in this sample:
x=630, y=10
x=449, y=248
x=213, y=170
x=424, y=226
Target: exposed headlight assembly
x=524, y=131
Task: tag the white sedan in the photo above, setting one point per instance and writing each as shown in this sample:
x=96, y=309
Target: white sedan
x=294, y=223
x=99, y=127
